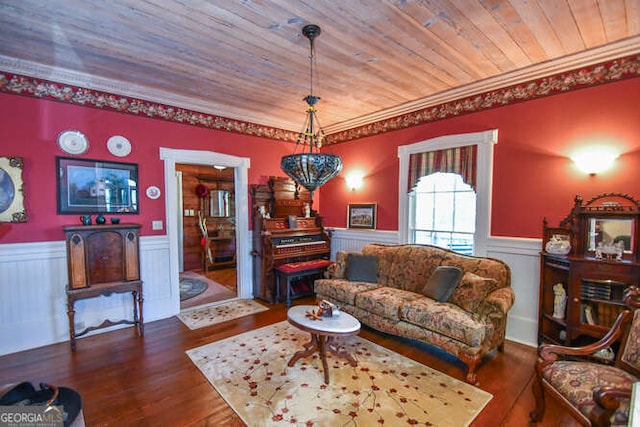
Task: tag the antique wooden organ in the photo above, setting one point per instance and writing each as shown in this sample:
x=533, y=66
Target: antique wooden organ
x=283, y=233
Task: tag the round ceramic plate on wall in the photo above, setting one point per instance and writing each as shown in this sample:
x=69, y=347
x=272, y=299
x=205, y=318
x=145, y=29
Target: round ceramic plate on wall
x=73, y=142
x=153, y=192
x=119, y=146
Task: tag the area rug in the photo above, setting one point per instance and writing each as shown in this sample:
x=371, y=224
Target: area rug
x=191, y=287
x=210, y=315
x=216, y=292
x=250, y=372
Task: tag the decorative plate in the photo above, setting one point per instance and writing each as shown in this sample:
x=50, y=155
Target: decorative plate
x=73, y=142
x=153, y=192
x=119, y=146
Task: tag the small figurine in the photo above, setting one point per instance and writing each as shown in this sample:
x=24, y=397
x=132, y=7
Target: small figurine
x=263, y=212
x=619, y=249
x=307, y=210
x=314, y=315
x=559, y=301
x=599, y=248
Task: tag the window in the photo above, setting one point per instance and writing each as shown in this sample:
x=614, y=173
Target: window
x=443, y=212
x=484, y=170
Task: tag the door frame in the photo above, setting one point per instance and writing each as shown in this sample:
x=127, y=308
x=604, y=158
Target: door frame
x=241, y=165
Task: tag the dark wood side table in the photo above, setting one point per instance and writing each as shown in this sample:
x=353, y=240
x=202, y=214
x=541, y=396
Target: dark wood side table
x=105, y=289
x=103, y=260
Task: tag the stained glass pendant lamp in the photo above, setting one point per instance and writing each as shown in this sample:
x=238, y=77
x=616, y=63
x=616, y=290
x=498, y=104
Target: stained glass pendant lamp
x=311, y=169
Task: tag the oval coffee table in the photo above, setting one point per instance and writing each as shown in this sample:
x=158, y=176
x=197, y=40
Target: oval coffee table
x=323, y=333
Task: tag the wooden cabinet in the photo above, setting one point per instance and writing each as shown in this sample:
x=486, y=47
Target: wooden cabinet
x=102, y=260
x=581, y=290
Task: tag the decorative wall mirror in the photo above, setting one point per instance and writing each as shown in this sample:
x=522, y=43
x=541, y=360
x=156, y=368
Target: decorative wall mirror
x=610, y=232
x=219, y=203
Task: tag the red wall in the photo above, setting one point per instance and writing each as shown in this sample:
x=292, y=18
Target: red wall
x=30, y=128
x=533, y=175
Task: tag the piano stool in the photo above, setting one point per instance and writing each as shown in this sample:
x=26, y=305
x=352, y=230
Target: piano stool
x=298, y=270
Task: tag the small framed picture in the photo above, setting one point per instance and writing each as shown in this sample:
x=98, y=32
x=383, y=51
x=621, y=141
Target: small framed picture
x=362, y=215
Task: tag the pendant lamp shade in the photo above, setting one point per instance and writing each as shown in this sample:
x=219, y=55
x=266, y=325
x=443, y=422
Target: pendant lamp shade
x=311, y=169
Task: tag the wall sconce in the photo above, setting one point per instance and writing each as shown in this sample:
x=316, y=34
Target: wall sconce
x=594, y=160
x=354, y=180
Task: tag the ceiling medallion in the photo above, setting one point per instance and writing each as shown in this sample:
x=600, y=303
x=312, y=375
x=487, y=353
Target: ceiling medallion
x=311, y=169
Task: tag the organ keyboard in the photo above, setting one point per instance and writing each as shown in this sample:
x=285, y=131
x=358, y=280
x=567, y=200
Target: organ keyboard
x=281, y=244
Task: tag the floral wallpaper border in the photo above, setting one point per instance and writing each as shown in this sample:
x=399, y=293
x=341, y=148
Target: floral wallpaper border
x=44, y=89
x=607, y=72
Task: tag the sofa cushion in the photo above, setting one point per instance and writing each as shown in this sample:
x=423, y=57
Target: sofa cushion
x=362, y=268
x=442, y=283
x=472, y=290
x=341, y=290
x=385, y=301
x=446, y=319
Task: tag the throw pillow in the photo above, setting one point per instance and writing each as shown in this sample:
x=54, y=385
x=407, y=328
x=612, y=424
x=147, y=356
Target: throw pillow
x=362, y=268
x=442, y=283
x=471, y=291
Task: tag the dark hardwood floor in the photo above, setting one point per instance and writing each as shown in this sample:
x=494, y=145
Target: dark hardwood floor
x=126, y=380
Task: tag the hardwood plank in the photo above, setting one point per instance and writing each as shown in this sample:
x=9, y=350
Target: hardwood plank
x=588, y=17
x=129, y=380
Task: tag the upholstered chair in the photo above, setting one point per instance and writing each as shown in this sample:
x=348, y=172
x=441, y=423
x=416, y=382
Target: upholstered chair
x=595, y=394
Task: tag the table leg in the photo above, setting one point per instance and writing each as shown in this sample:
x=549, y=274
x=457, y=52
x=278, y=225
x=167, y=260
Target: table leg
x=310, y=348
x=333, y=347
x=322, y=344
x=72, y=326
x=139, y=300
x=323, y=355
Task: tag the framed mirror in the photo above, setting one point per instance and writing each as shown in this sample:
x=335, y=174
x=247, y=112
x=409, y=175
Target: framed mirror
x=219, y=203
x=608, y=232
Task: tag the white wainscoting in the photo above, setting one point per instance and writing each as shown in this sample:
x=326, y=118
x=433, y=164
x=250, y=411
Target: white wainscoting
x=33, y=304
x=33, y=277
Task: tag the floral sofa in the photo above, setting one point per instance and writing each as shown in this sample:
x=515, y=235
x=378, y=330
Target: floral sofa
x=468, y=325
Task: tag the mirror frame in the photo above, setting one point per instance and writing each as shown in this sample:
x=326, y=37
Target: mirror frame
x=608, y=206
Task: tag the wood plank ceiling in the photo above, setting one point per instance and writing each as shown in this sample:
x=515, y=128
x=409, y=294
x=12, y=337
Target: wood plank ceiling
x=247, y=60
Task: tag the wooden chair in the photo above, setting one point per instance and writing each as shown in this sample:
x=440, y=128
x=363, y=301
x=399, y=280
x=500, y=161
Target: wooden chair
x=595, y=394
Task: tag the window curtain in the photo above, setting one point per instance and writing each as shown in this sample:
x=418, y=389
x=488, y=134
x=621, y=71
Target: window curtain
x=460, y=160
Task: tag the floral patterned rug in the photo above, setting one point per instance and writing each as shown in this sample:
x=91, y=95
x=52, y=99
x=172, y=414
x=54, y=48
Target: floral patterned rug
x=250, y=372
x=210, y=315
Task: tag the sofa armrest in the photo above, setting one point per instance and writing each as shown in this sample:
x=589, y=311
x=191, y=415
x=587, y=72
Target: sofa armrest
x=338, y=270
x=498, y=302
x=493, y=311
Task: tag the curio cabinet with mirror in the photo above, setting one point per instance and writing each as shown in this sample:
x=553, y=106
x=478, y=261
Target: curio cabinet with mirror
x=587, y=262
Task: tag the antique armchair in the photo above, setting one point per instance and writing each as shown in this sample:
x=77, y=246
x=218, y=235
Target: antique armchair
x=595, y=394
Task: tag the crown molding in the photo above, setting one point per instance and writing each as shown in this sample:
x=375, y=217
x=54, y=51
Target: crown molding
x=160, y=104
x=117, y=87
x=588, y=57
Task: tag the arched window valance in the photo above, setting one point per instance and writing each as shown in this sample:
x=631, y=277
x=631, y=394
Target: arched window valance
x=460, y=160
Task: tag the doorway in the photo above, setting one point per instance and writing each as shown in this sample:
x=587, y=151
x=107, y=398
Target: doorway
x=207, y=232
x=240, y=166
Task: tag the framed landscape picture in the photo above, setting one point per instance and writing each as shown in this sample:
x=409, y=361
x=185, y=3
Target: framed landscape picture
x=94, y=186
x=362, y=215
